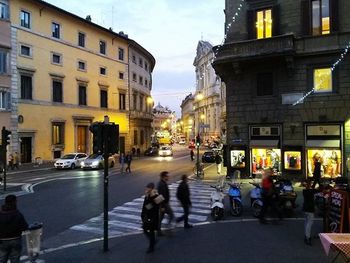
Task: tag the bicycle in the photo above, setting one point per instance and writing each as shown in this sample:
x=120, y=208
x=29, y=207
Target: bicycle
x=200, y=173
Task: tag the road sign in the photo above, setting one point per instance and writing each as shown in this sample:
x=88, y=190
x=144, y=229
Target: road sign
x=205, y=126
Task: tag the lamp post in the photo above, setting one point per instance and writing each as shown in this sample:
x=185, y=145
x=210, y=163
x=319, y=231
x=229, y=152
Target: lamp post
x=198, y=141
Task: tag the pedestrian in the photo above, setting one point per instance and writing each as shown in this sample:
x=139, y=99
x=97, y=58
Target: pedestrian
x=309, y=210
x=122, y=162
x=218, y=161
x=128, y=159
x=12, y=224
x=192, y=155
x=150, y=215
x=138, y=152
x=183, y=195
x=165, y=207
x=15, y=161
x=11, y=161
x=317, y=171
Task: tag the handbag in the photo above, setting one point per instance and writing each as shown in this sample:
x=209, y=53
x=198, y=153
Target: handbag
x=159, y=199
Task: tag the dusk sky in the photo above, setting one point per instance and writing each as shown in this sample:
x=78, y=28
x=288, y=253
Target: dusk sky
x=168, y=29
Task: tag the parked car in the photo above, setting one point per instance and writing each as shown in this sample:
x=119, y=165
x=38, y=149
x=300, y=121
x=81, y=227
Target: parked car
x=70, y=161
x=182, y=142
x=165, y=151
x=96, y=161
x=151, y=151
x=208, y=157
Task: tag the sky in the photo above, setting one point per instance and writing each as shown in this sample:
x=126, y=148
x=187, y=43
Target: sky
x=168, y=29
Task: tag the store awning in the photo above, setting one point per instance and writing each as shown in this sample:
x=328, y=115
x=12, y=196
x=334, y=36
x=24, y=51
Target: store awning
x=264, y=143
x=323, y=143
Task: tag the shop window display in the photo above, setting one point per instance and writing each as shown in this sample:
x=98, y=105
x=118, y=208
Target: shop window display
x=330, y=162
x=263, y=159
x=292, y=160
x=238, y=158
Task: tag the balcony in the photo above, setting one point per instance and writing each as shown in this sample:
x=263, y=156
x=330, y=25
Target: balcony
x=140, y=115
x=257, y=48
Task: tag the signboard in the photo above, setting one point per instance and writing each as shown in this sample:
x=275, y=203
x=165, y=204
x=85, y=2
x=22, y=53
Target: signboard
x=338, y=212
x=205, y=126
x=323, y=130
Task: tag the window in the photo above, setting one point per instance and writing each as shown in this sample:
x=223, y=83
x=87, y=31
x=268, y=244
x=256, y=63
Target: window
x=103, y=71
x=102, y=47
x=25, y=19
x=134, y=59
x=82, y=95
x=141, y=80
x=320, y=17
x=142, y=137
x=5, y=100
x=82, y=65
x=121, y=75
x=264, y=24
x=26, y=51
x=146, y=66
x=134, y=99
x=134, y=77
x=4, y=11
x=121, y=53
x=57, y=92
x=3, y=61
x=104, y=98
x=56, y=58
x=141, y=102
x=81, y=39
x=264, y=84
x=146, y=83
x=122, y=101
x=135, y=137
x=141, y=62
x=57, y=133
x=322, y=79
x=26, y=87
x=55, y=30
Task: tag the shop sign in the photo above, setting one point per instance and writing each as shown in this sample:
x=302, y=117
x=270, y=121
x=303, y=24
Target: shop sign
x=323, y=130
x=338, y=212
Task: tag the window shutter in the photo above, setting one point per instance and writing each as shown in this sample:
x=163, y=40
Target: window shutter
x=251, y=20
x=8, y=100
x=305, y=17
x=334, y=12
x=275, y=20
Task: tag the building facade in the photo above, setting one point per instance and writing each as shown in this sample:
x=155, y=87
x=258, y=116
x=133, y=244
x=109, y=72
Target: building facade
x=187, y=117
x=163, y=119
x=287, y=99
x=67, y=73
x=207, y=103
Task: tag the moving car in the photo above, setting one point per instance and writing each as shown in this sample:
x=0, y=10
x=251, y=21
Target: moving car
x=165, y=151
x=208, y=157
x=70, y=161
x=151, y=151
x=182, y=142
x=96, y=161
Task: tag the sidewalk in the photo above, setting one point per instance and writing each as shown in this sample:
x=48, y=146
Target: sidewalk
x=31, y=167
x=225, y=241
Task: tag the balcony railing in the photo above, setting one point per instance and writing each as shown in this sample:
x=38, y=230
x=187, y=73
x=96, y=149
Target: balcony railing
x=140, y=115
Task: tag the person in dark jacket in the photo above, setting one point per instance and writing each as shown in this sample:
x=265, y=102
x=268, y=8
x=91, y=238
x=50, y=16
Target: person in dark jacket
x=183, y=195
x=128, y=159
x=309, y=210
x=12, y=224
x=192, y=154
x=150, y=215
x=317, y=171
x=165, y=208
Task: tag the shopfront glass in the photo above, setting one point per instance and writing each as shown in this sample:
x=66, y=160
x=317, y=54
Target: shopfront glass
x=263, y=159
x=237, y=158
x=330, y=162
x=292, y=160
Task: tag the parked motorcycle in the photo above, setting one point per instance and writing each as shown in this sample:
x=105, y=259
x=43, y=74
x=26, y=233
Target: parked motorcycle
x=234, y=193
x=286, y=195
x=217, y=202
x=256, y=201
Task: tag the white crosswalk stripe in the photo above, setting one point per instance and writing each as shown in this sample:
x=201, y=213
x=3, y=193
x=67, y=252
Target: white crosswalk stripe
x=126, y=218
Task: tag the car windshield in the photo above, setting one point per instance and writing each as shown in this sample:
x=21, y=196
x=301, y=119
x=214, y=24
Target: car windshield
x=94, y=156
x=165, y=148
x=208, y=153
x=68, y=156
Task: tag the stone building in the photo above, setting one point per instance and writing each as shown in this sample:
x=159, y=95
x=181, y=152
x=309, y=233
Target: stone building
x=187, y=117
x=163, y=119
x=274, y=54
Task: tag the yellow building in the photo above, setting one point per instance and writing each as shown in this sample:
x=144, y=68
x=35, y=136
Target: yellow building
x=69, y=73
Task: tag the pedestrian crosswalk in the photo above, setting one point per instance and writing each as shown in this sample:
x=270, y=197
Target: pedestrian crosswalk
x=126, y=218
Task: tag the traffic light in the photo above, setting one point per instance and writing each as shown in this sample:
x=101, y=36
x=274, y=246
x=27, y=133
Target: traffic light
x=97, y=137
x=112, y=138
x=5, y=137
x=198, y=141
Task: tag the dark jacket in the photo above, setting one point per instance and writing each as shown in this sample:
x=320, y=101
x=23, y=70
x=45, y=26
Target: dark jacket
x=317, y=169
x=12, y=223
x=218, y=159
x=183, y=193
x=163, y=190
x=128, y=158
x=150, y=212
x=309, y=203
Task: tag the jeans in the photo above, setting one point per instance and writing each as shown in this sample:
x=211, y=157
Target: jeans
x=184, y=217
x=151, y=237
x=166, y=209
x=10, y=250
x=309, y=220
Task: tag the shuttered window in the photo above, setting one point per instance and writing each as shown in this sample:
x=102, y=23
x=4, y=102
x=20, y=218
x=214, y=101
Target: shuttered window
x=26, y=87
x=104, y=98
x=57, y=92
x=3, y=62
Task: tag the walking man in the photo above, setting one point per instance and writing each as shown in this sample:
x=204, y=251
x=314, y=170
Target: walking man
x=12, y=223
x=183, y=195
x=128, y=159
x=309, y=210
x=192, y=155
x=218, y=162
x=317, y=171
x=150, y=215
x=165, y=208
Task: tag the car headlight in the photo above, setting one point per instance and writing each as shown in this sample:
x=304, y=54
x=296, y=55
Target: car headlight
x=82, y=163
x=95, y=163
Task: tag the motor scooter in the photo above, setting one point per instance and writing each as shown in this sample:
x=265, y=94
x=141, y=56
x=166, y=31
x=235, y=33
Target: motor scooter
x=234, y=194
x=256, y=201
x=217, y=202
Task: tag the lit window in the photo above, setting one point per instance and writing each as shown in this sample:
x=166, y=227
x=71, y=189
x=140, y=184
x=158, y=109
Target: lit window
x=57, y=133
x=320, y=17
x=264, y=23
x=323, y=80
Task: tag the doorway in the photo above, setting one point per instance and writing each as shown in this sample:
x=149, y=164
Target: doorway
x=26, y=149
x=82, y=139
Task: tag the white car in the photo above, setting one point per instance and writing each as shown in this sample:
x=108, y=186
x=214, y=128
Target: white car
x=96, y=161
x=70, y=161
x=182, y=142
x=165, y=151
